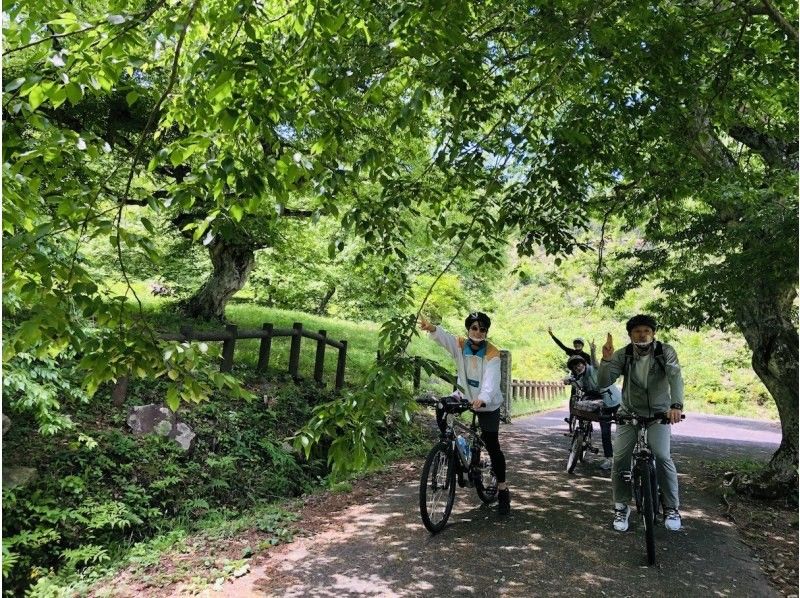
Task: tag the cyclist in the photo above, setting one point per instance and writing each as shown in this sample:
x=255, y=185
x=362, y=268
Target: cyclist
x=577, y=348
x=585, y=377
x=653, y=384
x=478, y=363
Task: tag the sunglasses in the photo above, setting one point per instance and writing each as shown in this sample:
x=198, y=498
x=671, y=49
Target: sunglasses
x=476, y=328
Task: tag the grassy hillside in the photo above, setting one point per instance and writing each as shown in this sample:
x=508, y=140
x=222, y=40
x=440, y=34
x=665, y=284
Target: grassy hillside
x=534, y=294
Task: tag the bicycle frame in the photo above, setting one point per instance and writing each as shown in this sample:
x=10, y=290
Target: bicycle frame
x=444, y=468
x=642, y=477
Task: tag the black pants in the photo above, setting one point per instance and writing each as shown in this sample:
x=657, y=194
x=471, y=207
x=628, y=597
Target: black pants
x=492, y=444
x=490, y=432
x=605, y=433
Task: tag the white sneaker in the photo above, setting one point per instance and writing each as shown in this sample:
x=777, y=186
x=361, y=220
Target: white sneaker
x=606, y=464
x=672, y=520
x=621, y=519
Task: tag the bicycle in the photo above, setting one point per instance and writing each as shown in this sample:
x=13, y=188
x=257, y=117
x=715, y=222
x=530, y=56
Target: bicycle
x=447, y=464
x=642, y=477
x=580, y=430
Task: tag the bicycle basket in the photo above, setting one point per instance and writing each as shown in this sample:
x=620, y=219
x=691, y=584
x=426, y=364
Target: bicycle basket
x=591, y=409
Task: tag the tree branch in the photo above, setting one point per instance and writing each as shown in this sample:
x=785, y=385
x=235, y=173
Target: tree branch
x=776, y=153
x=780, y=21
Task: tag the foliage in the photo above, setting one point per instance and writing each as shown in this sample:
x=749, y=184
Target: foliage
x=89, y=503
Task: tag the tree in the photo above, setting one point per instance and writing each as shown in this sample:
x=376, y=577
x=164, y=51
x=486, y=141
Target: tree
x=680, y=119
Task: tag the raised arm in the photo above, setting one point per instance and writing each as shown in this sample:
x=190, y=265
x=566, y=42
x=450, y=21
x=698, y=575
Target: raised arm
x=447, y=340
x=611, y=365
x=564, y=348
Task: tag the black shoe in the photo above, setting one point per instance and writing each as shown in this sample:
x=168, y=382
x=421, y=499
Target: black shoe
x=503, y=502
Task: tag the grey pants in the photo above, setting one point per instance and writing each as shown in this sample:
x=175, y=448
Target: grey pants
x=658, y=437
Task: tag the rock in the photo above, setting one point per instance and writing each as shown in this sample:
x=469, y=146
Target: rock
x=183, y=435
x=163, y=428
x=145, y=418
x=241, y=571
x=17, y=476
x=157, y=419
x=6, y=423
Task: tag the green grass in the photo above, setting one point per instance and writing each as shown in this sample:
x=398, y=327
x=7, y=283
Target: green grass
x=717, y=372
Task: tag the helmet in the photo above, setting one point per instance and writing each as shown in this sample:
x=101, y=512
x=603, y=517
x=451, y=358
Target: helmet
x=578, y=340
x=641, y=320
x=479, y=317
x=574, y=360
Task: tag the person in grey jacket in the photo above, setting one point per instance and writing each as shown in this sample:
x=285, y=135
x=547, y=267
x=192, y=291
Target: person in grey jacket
x=653, y=384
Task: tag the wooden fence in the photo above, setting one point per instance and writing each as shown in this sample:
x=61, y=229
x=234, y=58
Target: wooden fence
x=537, y=390
x=232, y=333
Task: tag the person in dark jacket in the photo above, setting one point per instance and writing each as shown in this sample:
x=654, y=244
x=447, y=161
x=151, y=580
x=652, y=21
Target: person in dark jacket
x=577, y=349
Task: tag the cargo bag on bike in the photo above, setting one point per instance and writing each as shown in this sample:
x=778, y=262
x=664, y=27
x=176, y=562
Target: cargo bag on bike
x=592, y=409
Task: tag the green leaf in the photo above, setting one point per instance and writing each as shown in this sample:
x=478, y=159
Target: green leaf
x=172, y=399
x=15, y=84
x=74, y=93
x=236, y=212
x=131, y=97
x=36, y=97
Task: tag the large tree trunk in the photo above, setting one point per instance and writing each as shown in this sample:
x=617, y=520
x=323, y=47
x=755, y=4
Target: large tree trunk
x=765, y=320
x=323, y=304
x=232, y=265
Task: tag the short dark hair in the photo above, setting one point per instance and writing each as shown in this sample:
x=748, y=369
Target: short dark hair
x=574, y=360
x=479, y=317
x=641, y=320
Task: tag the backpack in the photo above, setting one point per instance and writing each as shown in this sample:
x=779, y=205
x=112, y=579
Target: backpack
x=658, y=353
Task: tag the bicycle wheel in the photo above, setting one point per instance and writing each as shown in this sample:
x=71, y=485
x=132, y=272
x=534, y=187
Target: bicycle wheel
x=649, y=521
x=587, y=440
x=486, y=483
x=575, y=449
x=658, y=499
x=437, y=488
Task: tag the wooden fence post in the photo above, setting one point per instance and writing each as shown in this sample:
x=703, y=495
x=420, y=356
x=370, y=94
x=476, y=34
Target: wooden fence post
x=319, y=362
x=505, y=380
x=265, y=348
x=294, y=350
x=228, y=345
x=340, y=366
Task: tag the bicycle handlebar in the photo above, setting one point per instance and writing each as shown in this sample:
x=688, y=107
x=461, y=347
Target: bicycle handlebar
x=449, y=403
x=661, y=418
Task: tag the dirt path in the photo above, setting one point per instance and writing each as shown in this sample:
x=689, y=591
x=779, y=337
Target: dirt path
x=557, y=542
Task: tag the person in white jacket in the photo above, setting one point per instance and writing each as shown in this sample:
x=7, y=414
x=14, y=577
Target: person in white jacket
x=478, y=363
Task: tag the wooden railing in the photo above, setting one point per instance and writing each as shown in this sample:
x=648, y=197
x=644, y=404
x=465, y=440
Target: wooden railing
x=537, y=390
x=232, y=333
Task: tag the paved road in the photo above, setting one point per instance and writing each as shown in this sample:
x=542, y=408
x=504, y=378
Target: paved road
x=557, y=542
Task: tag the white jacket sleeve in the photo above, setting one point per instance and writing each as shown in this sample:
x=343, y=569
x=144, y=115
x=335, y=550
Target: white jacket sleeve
x=490, y=386
x=447, y=340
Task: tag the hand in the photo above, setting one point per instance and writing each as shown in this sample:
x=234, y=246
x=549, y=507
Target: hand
x=567, y=380
x=426, y=325
x=477, y=404
x=592, y=346
x=674, y=416
x=608, y=348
